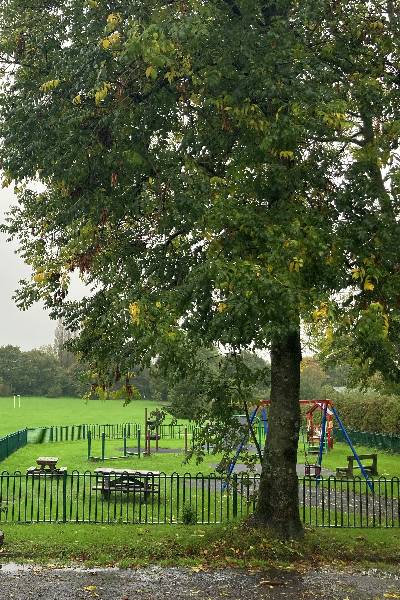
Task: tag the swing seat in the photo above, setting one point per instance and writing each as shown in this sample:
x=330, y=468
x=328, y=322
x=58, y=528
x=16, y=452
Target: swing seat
x=312, y=470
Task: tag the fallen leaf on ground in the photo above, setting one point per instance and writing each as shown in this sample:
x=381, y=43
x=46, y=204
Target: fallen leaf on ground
x=270, y=582
x=198, y=568
x=91, y=589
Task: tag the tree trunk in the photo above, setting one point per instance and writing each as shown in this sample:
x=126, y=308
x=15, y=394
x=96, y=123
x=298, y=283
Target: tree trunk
x=278, y=502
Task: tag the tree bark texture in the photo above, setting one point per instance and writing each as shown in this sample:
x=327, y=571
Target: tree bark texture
x=278, y=502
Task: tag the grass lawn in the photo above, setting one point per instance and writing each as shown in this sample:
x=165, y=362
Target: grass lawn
x=73, y=455
x=234, y=545
x=37, y=412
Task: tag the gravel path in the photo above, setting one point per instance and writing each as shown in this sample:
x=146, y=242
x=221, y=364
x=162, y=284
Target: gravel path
x=181, y=584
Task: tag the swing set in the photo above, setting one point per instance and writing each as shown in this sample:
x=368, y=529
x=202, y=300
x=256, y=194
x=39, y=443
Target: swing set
x=316, y=441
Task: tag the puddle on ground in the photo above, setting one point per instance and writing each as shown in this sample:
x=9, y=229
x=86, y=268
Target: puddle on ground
x=11, y=567
x=15, y=567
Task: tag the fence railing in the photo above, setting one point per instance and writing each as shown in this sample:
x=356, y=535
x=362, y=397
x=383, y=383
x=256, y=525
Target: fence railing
x=383, y=441
x=61, y=433
x=202, y=499
x=143, y=499
x=12, y=442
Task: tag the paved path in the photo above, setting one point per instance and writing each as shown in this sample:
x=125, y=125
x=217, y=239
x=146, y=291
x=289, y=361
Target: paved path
x=156, y=583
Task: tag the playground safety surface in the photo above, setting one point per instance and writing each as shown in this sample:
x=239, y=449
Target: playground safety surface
x=18, y=582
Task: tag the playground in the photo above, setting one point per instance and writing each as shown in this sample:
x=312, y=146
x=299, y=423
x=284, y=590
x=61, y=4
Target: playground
x=137, y=472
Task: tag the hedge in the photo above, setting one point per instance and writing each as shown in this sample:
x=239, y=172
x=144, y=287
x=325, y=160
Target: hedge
x=368, y=411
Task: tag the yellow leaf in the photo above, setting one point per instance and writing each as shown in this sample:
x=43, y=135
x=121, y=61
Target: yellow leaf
x=39, y=277
x=77, y=100
x=102, y=93
x=296, y=264
x=113, y=20
x=198, y=569
x=357, y=273
x=288, y=154
x=368, y=285
x=158, y=304
x=92, y=590
x=134, y=310
x=47, y=86
x=111, y=40
x=170, y=75
x=151, y=72
x=221, y=307
x=385, y=325
x=6, y=182
x=320, y=312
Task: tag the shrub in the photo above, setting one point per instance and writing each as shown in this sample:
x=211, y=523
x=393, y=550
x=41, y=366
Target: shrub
x=368, y=411
x=189, y=515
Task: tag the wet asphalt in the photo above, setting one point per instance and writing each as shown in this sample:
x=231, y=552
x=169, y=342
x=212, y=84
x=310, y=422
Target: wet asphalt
x=21, y=582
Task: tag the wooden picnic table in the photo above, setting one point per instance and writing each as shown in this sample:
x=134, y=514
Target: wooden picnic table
x=109, y=471
x=47, y=465
x=128, y=481
x=47, y=461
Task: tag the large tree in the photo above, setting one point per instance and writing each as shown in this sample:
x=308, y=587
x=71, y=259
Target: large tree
x=218, y=172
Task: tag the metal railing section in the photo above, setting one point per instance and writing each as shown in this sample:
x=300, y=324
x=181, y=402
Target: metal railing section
x=203, y=499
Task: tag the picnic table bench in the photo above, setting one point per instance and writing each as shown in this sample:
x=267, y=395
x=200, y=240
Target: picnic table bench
x=128, y=481
x=47, y=465
x=371, y=469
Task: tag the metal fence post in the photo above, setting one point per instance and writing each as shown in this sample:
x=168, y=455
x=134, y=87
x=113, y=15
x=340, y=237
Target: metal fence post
x=64, y=497
x=234, y=495
x=103, y=445
x=89, y=444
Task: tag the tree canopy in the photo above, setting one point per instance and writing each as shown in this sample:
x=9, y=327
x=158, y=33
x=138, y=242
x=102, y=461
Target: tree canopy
x=218, y=172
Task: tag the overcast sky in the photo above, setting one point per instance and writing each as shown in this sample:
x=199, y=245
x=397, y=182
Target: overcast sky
x=27, y=329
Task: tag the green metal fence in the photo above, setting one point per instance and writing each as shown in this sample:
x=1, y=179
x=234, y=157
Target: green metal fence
x=207, y=499
x=61, y=433
x=383, y=441
x=148, y=499
x=12, y=442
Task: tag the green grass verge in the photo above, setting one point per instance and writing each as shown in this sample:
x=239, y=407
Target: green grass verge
x=234, y=545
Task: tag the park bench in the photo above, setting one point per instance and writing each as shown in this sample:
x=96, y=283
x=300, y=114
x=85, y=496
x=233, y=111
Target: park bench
x=371, y=469
x=127, y=481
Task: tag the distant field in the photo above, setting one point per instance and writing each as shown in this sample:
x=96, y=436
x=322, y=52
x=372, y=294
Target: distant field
x=36, y=411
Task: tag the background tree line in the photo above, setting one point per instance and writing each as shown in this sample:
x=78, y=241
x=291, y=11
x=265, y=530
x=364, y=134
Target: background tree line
x=50, y=371
x=37, y=372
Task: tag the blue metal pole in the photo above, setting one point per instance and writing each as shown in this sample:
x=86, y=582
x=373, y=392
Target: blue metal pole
x=264, y=420
x=348, y=440
x=245, y=438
